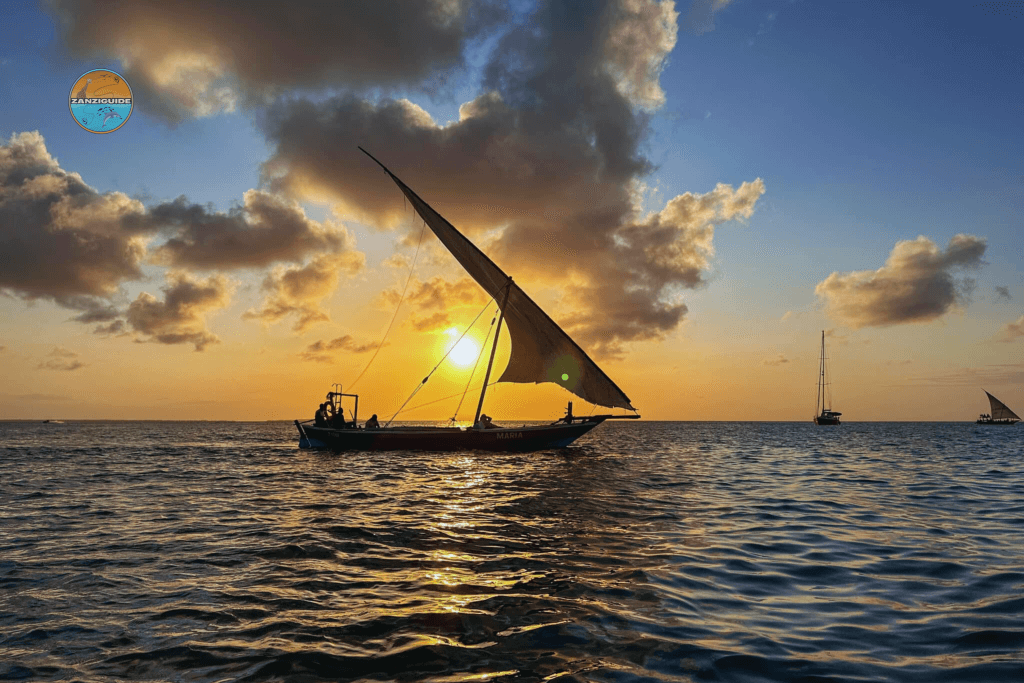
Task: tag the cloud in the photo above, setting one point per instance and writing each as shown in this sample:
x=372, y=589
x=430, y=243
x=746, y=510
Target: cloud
x=916, y=284
x=1011, y=331
x=437, y=293
x=701, y=17
x=545, y=164
x=264, y=230
x=195, y=58
x=431, y=323
x=635, y=284
x=397, y=261
x=117, y=328
x=318, y=350
x=60, y=239
x=95, y=311
x=61, y=359
x=298, y=290
x=437, y=296
x=637, y=47
x=987, y=376
x=1003, y=294
x=180, y=317
x=778, y=360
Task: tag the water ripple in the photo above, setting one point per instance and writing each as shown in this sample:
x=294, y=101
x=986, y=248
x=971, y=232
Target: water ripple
x=649, y=552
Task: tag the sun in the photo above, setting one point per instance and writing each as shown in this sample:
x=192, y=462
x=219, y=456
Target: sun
x=465, y=351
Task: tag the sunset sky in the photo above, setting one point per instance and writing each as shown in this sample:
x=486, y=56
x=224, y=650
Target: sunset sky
x=694, y=190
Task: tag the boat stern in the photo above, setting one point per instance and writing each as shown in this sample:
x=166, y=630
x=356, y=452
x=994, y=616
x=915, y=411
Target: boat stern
x=305, y=441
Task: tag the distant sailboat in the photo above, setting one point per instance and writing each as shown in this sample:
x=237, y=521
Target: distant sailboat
x=827, y=416
x=1001, y=415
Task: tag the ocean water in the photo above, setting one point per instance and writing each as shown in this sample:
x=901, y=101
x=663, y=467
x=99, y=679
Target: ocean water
x=647, y=552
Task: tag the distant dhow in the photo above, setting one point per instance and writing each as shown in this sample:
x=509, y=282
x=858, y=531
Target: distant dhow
x=1001, y=414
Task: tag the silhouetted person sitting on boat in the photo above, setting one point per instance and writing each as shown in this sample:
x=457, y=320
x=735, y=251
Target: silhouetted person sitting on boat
x=321, y=416
x=372, y=422
x=485, y=422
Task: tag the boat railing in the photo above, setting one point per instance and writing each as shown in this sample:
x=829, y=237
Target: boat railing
x=335, y=396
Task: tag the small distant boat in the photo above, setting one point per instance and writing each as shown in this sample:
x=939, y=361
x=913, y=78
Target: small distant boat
x=827, y=416
x=53, y=422
x=1001, y=415
x=541, y=352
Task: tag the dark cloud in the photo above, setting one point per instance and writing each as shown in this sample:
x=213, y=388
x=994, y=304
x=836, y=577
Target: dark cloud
x=298, y=290
x=180, y=317
x=117, y=328
x=319, y=351
x=1003, y=294
x=1012, y=331
x=264, y=230
x=93, y=311
x=61, y=359
x=916, y=284
x=195, y=58
x=59, y=238
x=635, y=283
x=545, y=164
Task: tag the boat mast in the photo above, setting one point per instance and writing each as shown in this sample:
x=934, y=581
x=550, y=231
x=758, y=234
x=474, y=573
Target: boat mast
x=487, y=377
x=820, y=398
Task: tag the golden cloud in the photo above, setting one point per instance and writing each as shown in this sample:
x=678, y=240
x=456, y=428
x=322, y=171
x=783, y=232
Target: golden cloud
x=916, y=284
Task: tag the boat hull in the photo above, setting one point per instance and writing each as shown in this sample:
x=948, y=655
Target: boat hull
x=998, y=423
x=825, y=420
x=521, y=439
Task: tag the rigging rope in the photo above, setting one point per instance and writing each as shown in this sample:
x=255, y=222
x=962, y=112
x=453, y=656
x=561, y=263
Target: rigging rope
x=445, y=398
x=397, y=308
x=473, y=371
x=420, y=385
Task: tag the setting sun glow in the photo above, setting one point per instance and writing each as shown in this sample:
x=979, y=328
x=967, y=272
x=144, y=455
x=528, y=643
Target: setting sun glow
x=465, y=351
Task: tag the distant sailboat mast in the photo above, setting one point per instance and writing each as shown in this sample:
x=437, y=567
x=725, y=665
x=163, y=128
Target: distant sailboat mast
x=823, y=413
x=819, y=405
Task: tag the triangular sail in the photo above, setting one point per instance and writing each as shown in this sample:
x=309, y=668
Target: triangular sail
x=999, y=409
x=541, y=350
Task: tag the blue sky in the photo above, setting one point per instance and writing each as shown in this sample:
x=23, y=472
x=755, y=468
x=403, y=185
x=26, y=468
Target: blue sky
x=869, y=122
